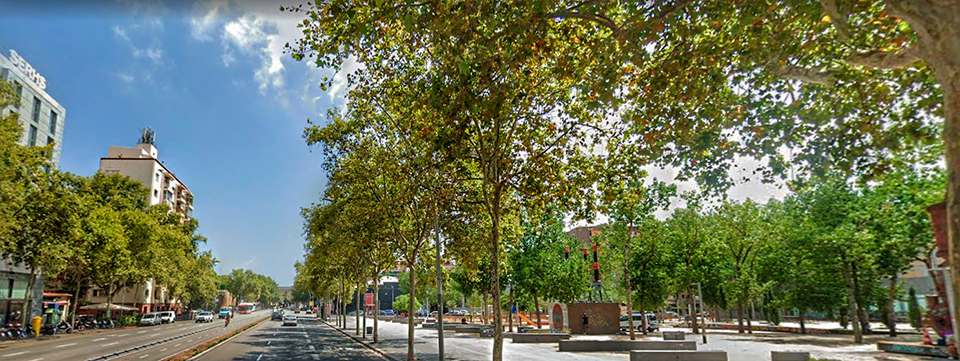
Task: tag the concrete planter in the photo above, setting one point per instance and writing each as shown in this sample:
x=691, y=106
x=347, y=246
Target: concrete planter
x=624, y=345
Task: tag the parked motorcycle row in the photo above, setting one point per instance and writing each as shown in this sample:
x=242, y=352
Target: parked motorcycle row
x=16, y=331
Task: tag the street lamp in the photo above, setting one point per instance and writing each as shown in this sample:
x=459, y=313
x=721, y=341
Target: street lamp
x=703, y=316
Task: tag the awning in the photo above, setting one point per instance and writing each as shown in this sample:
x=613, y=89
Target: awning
x=56, y=294
x=103, y=307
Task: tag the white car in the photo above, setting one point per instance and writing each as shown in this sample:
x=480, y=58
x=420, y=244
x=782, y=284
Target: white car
x=150, y=319
x=205, y=317
x=638, y=322
x=167, y=316
x=289, y=320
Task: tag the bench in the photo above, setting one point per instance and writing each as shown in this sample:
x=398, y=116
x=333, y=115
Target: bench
x=540, y=337
x=674, y=335
x=624, y=345
x=702, y=355
x=789, y=356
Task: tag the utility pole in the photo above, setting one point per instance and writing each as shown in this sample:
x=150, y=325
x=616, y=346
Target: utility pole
x=436, y=228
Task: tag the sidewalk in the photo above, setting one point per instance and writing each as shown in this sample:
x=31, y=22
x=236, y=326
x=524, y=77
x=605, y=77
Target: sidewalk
x=393, y=337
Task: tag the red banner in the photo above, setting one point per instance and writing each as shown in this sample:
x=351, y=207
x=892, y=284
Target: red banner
x=368, y=299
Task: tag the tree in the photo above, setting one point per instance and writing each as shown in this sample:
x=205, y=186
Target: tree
x=742, y=232
x=913, y=309
x=402, y=304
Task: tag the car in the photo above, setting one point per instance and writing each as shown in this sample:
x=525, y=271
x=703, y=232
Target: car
x=167, y=316
x=224, y=311
x=289, y=320
x=296, y=310
x=205, y=316
x=387, y=313
x=638, y=322
x=352, y=313
x=276, y=315
x=309, y=311
x=150, y=319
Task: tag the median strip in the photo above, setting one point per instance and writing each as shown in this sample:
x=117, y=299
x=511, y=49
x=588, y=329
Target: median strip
x=199, y=350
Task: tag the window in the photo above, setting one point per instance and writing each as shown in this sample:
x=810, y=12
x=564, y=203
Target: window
x=155, y=193
x=49, y=140
x=146, y=293
x=36, y=109
x=158, y=177
x=19, y=92
x=53, y=122
x=33, y=136
x=110, y=171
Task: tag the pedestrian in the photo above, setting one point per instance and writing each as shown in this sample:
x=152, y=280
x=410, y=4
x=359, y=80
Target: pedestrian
x=463, y=321
x=586, y=321
x=227, y=319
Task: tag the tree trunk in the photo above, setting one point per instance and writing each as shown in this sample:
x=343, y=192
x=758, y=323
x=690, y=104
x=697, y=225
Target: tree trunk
x=413, y=297
x=938, y=37
x=110, y=301
x=852, y=303
x=483, y=311
x=626, y=277
x=75, y=303
x=357, y=309
x=739, y=318
x=376, y=302
x=28, y=297
x=750, y=323
x=692, y=307
x=495, y=274
x=136, y=296
x=803, y=323
x=510, y=311
x=891, y=314
x=643, y=311
x=536, y=304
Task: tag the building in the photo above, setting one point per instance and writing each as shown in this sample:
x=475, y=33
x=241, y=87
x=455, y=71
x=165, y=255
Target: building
x=42, y=119
x=142, y=163
x=41, y=116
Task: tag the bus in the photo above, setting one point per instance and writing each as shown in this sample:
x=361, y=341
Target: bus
x=246, y=308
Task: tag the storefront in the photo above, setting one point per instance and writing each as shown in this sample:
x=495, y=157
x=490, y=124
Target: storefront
x=56, y=307
x=13, y=288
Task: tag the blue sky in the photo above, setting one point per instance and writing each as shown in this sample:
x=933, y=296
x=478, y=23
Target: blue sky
x=228, y=107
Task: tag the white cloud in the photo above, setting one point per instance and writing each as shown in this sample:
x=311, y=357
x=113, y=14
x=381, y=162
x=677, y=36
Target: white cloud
x=256, y=35
x=140, y=33
x=124, y=77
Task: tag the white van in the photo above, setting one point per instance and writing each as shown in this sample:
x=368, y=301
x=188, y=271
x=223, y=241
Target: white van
x=168, y=316
x=150, y=319
x=652, y=323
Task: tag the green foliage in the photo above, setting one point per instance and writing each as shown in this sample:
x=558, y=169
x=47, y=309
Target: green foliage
x=402, y=304
x=538, y=267
x=249, y=286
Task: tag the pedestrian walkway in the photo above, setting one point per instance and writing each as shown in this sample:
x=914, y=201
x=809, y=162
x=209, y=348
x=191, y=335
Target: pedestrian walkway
x=393, y=338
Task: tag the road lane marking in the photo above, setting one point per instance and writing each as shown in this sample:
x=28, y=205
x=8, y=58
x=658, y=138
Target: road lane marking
x=144, y=356
x=126, y=334
x=37, y=359
x=268, y=343
x=177, y=345
x=110, y=344
x=65, y=345
x=144, y=331
x=14, y=354
x=155, y=334
x=163, y=350
x=100, y=339
x=258, y=357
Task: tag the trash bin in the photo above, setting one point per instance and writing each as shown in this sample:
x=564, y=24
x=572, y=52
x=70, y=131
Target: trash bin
x=369, y=330
x=36, y=326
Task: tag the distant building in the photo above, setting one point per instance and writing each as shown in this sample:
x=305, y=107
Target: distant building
x=41, y=116
x=42, y=119
x=141, y=163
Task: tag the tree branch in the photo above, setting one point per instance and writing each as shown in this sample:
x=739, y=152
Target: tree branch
x=839, y=20
x=821, y=77
x=886, y=59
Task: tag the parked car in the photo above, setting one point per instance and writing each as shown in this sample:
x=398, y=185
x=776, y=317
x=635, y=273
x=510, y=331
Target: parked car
x=205, y=317
x=289, y=320
x=387, y=313
x=638, y=322
x=167, y=316
x=150, y=319
x=276, y=315
x=224, y=311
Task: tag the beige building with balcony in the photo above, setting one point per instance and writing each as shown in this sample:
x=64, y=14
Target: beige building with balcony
x=142, y=163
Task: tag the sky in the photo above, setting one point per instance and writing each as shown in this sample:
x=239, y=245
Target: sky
x=228, y=105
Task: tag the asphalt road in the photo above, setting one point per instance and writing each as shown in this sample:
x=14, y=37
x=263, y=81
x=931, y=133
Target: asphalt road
x=310, y=340
x=95, y=343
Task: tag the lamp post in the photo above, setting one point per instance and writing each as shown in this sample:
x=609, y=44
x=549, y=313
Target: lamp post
x=703, y=316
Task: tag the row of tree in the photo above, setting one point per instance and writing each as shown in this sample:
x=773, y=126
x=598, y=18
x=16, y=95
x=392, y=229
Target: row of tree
x=249, y=286
x=93, y=231
x=467, y=119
